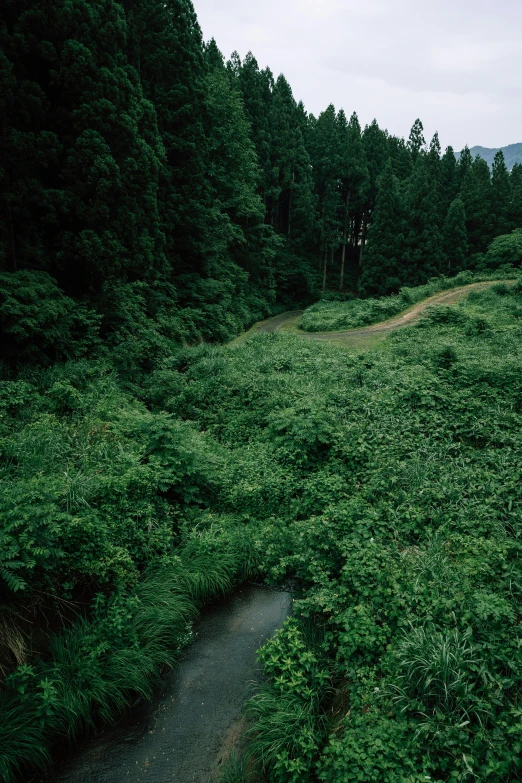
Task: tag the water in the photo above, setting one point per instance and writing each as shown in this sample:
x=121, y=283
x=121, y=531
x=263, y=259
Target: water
x=196, y=718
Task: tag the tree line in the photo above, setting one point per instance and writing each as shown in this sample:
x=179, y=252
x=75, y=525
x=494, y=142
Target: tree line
x=149, y=178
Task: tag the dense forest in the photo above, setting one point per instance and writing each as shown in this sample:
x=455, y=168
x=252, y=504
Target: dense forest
x=157, y=200
x=142, y=177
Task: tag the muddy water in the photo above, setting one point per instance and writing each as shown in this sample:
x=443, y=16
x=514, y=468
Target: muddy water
x=194, y=721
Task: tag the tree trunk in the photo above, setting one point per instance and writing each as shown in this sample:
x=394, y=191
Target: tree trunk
x=12, y=245
x=345, y=231
x=343, y=257
x=363, y=239
x=324, y=269
x=290, y=204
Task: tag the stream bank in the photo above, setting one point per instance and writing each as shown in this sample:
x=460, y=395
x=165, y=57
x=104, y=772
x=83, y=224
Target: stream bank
x=195, y=720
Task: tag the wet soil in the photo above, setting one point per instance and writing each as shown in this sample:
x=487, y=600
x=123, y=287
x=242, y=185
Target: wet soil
x=196, y=718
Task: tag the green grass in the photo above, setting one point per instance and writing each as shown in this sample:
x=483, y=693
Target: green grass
x=333, y=316
x=383, y=481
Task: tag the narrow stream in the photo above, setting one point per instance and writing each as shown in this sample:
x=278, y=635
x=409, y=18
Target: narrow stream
x=196, y=718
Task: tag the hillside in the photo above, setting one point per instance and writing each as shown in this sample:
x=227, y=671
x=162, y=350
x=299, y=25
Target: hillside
x=156, y=452
x=384, y=484
x=512, y=154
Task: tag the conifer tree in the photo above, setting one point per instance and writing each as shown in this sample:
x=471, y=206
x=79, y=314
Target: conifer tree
x=256, y=88
x=354, y=178
x=167, y=50
x=449, y=182
x=516, y=196
x=501, y=187
x=416, y=141
x=234, y=176
x=326, y=156
x=383, y=270
x=401, y=158
x=434, y=172
x=455, y=238
x=423, y=241
x=303, y=213
x=375, y=143
x=433, y=156
x=81, y=153
x=476, y=192
x=464, y=165
x=289, y=158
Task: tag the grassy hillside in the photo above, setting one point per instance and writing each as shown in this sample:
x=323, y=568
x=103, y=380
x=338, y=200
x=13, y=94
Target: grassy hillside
x=339, y=315
x=386, y=484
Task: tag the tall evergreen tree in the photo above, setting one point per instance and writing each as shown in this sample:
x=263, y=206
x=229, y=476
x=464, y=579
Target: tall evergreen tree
x=464, y=165
x=234, y=176
x=289, y=158
x=375, y=143
x=81, y=154
x=434, y=172
x=326, y=158
x=416, y=140
x=434, y=155
x=449, y=182
x=166, y=48
x=383, y=270
x=401, y=157
x=424, y=252
x=256, y=88
x=501, y=195
x=477, y=196
x=516, y=195
x=354, y=179
x=455, y=238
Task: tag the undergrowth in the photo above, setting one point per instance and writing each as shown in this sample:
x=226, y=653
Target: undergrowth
x=386, y=485
x=330, y=316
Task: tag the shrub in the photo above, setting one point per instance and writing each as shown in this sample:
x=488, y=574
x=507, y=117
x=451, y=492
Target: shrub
x=505, y=250
x=39, y=322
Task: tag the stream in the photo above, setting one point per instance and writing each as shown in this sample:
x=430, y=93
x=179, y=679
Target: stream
x=195, y=719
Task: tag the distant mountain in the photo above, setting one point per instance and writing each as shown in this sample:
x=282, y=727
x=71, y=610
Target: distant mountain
x=512, y=154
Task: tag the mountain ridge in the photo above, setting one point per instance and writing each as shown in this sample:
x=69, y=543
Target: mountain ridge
x=512, y=154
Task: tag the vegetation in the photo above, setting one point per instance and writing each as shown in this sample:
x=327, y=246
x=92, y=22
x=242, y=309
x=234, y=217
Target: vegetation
x=127, y=505
x=170, y=193
x=157, y=200
x=333, y=313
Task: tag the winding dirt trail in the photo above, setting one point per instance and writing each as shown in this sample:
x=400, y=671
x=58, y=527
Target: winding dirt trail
x=290, y=319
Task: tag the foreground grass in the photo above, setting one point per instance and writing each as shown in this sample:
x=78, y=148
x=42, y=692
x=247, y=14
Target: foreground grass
x=386, y=483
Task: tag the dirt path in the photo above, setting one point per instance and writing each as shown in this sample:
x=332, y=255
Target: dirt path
x=408, y=317
x=196, y=720
x=274, y=324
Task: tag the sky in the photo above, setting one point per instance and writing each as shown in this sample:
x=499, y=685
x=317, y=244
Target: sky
x=456, y=64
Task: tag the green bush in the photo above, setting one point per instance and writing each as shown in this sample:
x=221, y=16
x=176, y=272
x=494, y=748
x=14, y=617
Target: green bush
x=289, y=721
x=505, y=250
x=37, y=320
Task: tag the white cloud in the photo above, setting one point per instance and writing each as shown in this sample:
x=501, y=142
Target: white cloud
x=454, y=63
x=316, y=9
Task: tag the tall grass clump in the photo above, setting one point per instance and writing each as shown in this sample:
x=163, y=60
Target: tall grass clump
x=438, y=673
x=95, y=668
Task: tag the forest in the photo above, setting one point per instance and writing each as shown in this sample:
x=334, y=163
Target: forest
x=157, y=201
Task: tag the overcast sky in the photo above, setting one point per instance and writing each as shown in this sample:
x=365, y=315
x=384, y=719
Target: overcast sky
x=456, y=64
